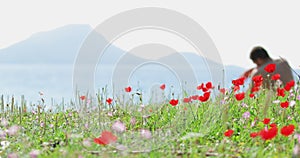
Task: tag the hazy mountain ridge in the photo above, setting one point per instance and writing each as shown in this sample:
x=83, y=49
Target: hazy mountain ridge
x=44, y=62
x=58, y=46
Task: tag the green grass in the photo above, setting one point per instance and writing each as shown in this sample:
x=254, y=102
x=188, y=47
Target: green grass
x=187, y=130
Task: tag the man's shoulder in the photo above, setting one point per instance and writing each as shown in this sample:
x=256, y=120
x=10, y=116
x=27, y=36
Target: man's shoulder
x=281, y=65
x=280, y=61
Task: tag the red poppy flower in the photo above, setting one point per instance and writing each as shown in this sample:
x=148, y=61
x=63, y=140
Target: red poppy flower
x=105, y=138
x=109, y=101
x=273, y=125
x=275, y=77
x=251, y=95
x=162, y=87
x=240, y=96
x=209, y=85
x=200, y=86
x=287, y=130
x=235, y=82
x=280, y=92
x=254, y=134
x=287, y=88
x=128, y=89
x=258, y=84
x=270, y=68
x=236, y=88
x=268, y=134
x=194, y=97
x=228, y=133
x=82, y=97
x=255, y=89
x=173, y=102
x=258, y=78
x=205, y=97
x=284, y=104
x=204, y=89
x=223, y=90
x=289, y=85
x=187, y=100
x=266, y=121
x=239, y=82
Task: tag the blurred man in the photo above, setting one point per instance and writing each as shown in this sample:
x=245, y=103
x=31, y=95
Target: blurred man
x=261, y=58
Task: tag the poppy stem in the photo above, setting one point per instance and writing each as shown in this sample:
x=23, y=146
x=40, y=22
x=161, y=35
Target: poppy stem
x=192, y=111
x=283, y=114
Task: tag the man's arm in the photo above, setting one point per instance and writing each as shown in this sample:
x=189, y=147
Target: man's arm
x=248, y=73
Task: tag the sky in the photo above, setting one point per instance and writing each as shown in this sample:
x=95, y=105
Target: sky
x=235, y=26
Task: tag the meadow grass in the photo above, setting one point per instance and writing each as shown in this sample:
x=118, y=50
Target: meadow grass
x=194, y=129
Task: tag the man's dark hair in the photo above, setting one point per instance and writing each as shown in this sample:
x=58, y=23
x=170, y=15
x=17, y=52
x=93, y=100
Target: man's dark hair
x=259, y=52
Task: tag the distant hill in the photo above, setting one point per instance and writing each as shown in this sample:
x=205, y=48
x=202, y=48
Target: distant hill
x=58, y=46
x=44, y=62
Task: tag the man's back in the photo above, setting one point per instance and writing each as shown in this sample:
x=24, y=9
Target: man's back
x=282, y=68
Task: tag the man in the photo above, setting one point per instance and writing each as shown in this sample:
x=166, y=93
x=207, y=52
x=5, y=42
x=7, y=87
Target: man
x=261, y=58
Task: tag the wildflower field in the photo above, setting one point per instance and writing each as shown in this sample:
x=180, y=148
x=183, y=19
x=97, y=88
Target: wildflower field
x=259, y=122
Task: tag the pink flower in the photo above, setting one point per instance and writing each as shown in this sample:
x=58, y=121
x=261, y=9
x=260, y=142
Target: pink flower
x=88, y=101
x=133, y=121
x=110, y=114
x=253, y=123
x=86, y=143
x=12, y=155
x=42, y=124
x=118, y=126
x=146, y=133
x=246, y=115
x=244, y=105
x=34, y=153
x=86, y=125
x=13, y=130
x=4, y=122
x=2, y=134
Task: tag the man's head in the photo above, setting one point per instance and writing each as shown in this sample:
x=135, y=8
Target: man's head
x=259, y=56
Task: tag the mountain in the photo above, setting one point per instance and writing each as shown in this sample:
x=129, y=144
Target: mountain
x=45, y=62
x=58, y=46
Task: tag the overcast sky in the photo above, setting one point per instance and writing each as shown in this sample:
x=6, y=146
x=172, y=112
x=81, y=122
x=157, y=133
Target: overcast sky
x=234, y=25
